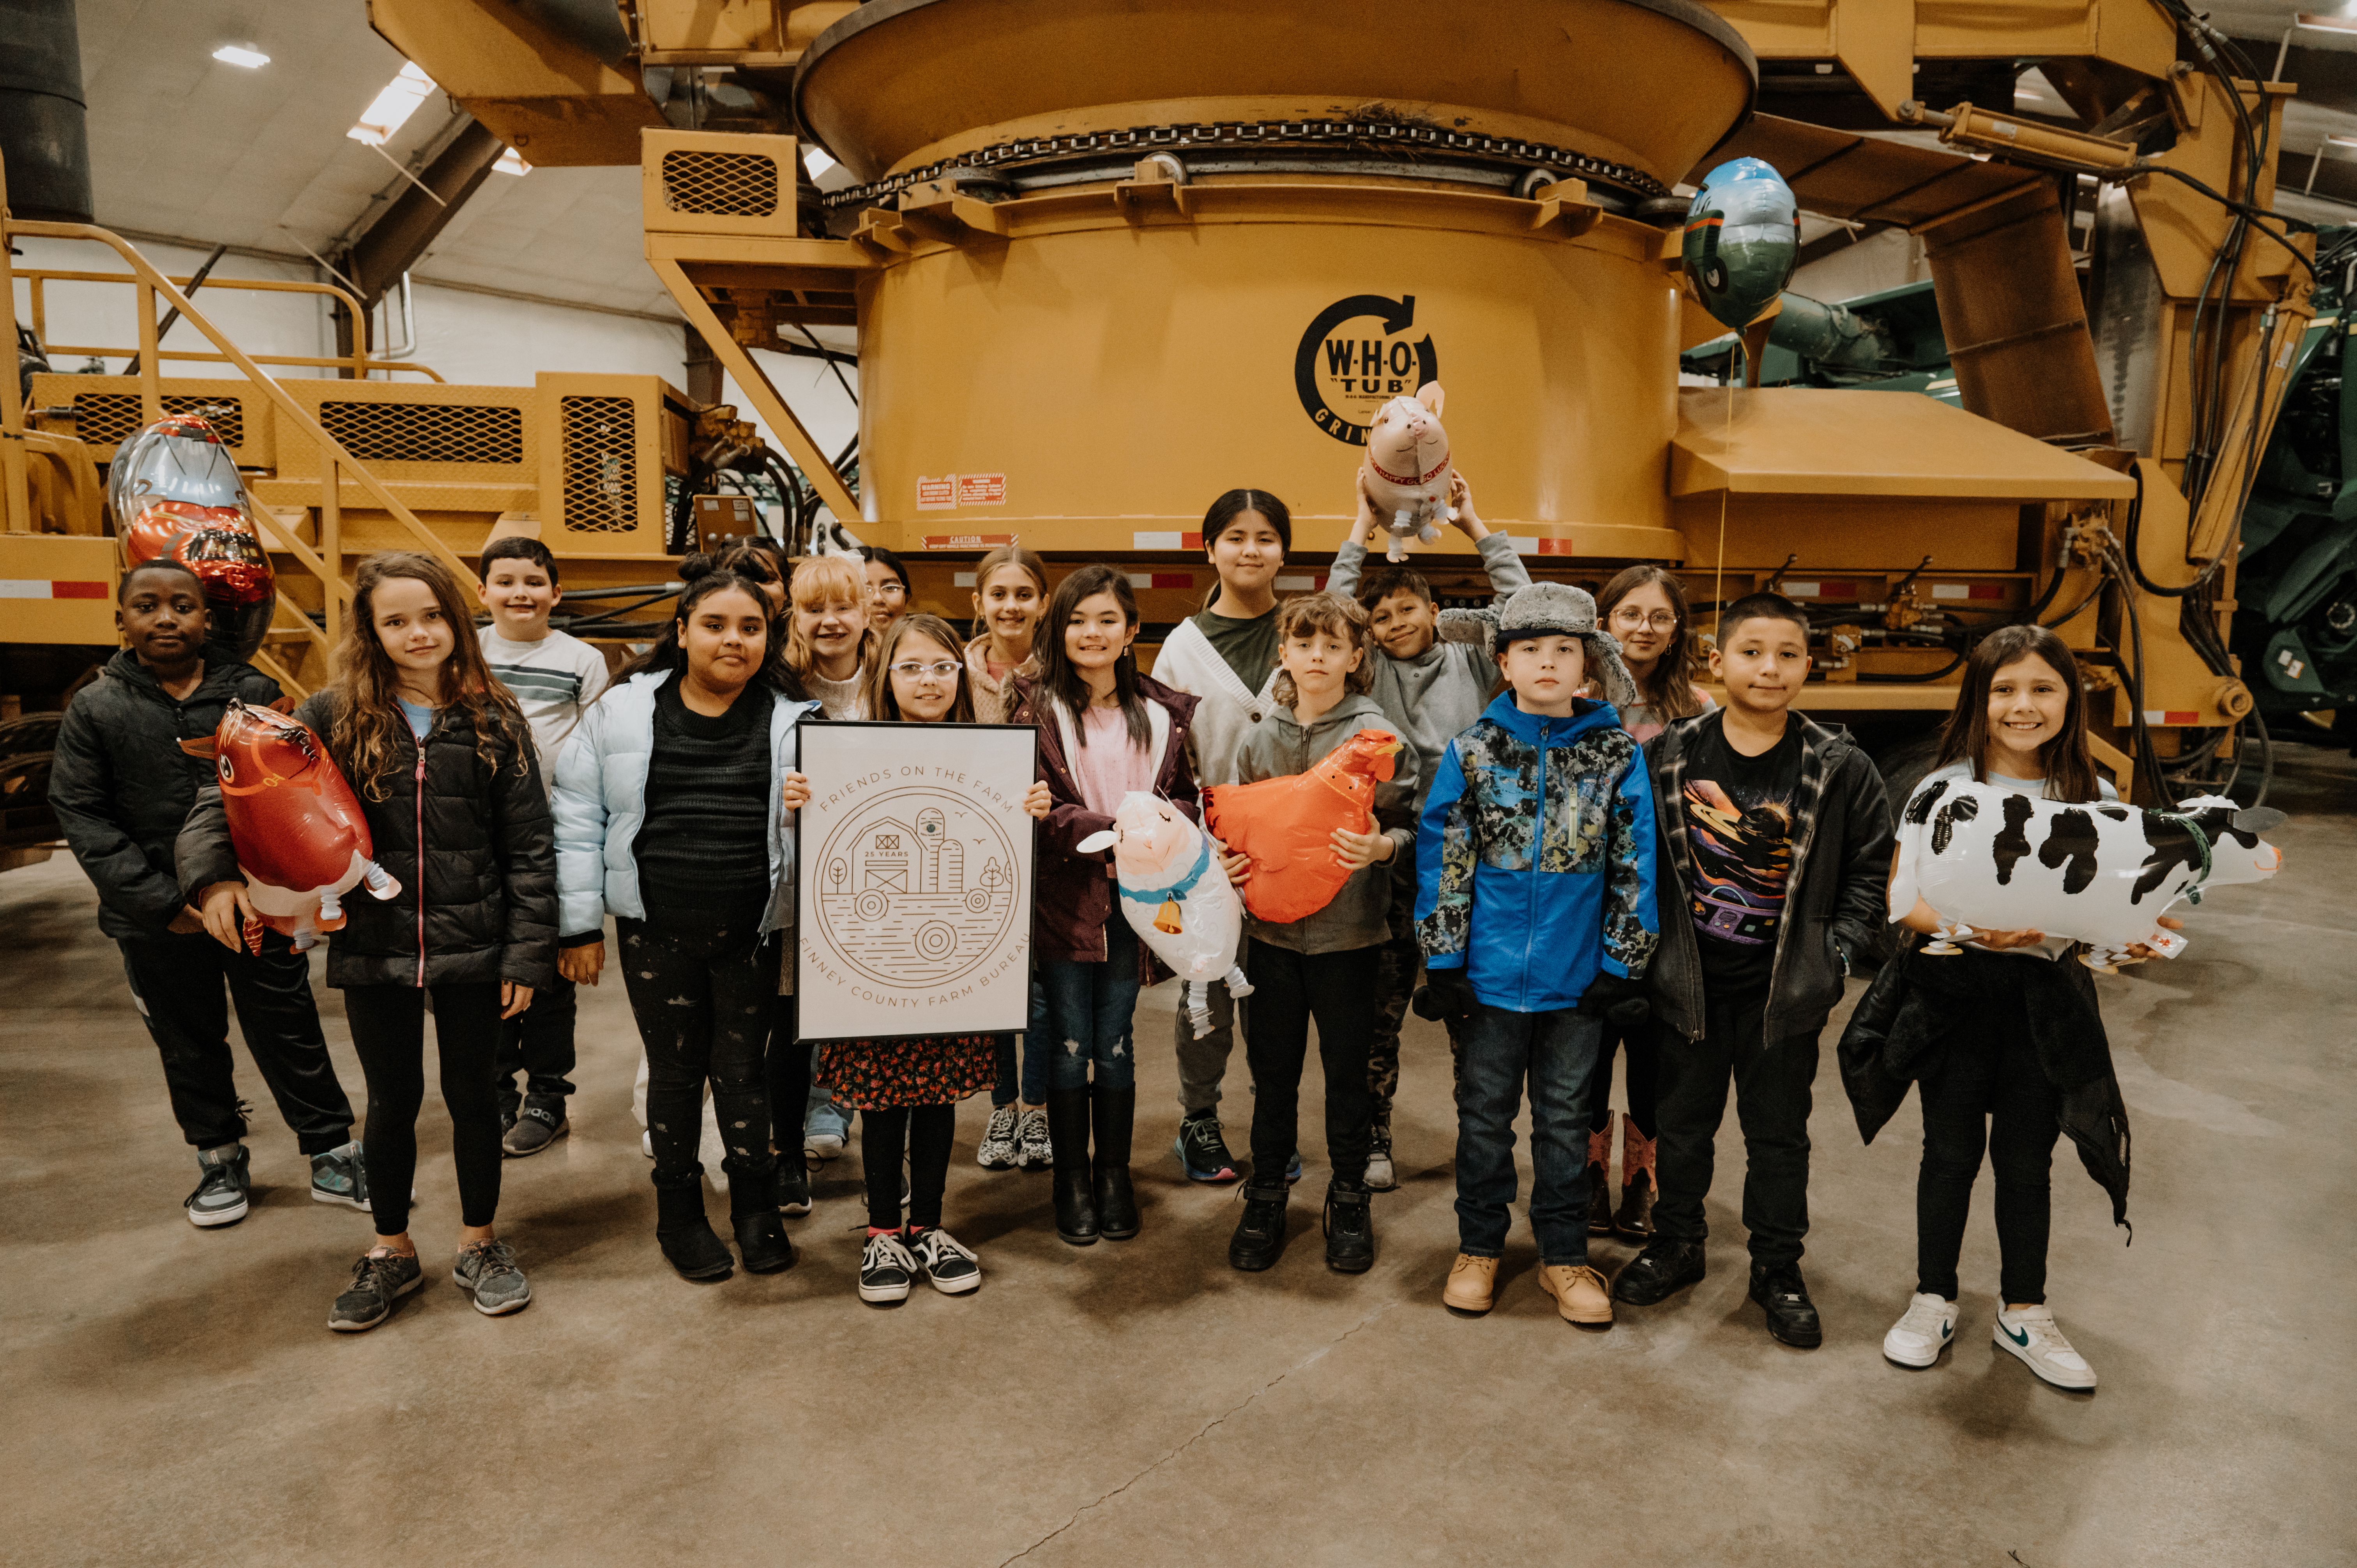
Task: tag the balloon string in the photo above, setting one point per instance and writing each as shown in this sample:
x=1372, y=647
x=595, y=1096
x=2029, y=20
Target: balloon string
x=1727, y=461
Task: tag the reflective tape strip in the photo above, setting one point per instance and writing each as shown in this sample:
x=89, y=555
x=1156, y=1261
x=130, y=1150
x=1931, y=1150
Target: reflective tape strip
x=49, y=588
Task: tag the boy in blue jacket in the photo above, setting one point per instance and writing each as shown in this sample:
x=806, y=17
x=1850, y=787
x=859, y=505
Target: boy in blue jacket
x=1535, y=909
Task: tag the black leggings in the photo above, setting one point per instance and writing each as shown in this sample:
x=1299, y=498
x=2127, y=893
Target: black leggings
x=789, y=1062
x=926, y=1131
x=1645, y=1078
x=1337, y=990
x=705, y=994
x=388, y=1026
x=1988, y=1089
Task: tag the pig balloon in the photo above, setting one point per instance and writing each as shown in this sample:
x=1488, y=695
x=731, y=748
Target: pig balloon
x=1991, y=859
x=297, y=827
x=1406, y=471
x=177, y=495
x=1176, y=897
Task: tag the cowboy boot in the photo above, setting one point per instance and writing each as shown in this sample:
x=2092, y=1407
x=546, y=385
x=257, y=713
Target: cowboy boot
x=1635, y=1219
x=1599, y=1179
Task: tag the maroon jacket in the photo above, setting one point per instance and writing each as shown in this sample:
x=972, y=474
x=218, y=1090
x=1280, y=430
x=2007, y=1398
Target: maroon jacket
x=1073, y=895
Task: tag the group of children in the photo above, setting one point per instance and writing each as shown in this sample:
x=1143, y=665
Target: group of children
x=1578, y=854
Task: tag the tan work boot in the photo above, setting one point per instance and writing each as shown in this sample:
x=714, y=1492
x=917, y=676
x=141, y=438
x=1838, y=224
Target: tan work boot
x=1471, y=1282
x=1580, y=1295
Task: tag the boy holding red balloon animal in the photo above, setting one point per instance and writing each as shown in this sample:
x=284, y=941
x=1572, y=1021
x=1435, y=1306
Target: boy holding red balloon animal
x=121, y=788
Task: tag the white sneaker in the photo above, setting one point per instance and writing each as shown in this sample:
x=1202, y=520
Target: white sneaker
x=998, y=1150
x=1928, y=1329
x=647, y=1143
x=2030, y=1335
x=886, y=1269
x=824, y=1144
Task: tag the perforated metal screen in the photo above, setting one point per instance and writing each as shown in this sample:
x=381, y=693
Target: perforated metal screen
x=108, y=419
x=601, y=463
x=425, y=432
x=732, y=185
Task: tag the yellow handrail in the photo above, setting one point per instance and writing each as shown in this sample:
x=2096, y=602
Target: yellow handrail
x=153, y=284
x=358, y=361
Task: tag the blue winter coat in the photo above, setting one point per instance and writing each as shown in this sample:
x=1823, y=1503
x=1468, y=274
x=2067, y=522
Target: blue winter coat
x=1535, y=858
x=601, y=803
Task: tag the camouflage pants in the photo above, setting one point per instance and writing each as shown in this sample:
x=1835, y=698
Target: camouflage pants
x=1400, y=966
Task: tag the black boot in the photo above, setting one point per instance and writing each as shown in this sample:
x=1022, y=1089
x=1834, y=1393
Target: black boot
x=1791, y=1316
x=1664, y=1266
x=793, y=1184
x=1260, y=1234
x=753, y=1215
x=1115, y=1113
x=1350, y=1227
x=688, y=1242
x=1068, y=1134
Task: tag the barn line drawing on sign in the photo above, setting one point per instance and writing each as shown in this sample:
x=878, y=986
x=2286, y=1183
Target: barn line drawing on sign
x=914, y=863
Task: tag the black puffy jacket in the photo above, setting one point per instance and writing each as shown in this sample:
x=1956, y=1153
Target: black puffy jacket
x=122, y=787
x=475, y=843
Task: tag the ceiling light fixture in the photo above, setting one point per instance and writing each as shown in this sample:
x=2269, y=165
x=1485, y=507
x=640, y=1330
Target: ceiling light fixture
x=817, y=160
x=392, y=107
x=240, y=54
x=510, y=164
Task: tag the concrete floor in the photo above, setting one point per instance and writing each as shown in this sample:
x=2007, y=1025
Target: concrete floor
x=173, y=1396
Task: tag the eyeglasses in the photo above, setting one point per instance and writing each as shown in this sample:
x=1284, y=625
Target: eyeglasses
x=909, y=670
x=1660, y=620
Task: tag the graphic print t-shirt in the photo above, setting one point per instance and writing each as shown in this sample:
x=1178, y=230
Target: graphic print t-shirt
x=1740, y=812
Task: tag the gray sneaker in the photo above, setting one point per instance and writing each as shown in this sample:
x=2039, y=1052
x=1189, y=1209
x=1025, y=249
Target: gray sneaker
x=487, y=1269
x=379, y=1279
x=222, y=1183
x=1035, y=1151
x=340, y=1176
x=535, y=1128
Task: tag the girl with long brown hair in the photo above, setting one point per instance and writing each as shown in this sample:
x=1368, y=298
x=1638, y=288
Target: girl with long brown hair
x=449, y=780
x=2012, y=1029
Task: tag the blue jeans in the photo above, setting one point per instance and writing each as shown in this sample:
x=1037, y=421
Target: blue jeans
x=1554, y=1052
x=1033, y=1075
x=1089, y=1009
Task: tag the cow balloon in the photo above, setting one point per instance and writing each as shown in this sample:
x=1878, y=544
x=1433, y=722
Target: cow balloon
x=1176, y=897
x=1406, y=470
x=1988, y=858
x=177, y=495
x=1286, y=825
x=294, y=821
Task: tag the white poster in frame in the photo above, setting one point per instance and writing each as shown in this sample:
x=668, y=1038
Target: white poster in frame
x=913, y=867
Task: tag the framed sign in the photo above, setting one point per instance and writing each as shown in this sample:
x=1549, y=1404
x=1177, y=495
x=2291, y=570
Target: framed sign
x=913, y=865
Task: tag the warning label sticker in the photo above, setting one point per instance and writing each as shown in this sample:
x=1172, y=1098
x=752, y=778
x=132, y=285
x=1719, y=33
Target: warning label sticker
x=981, y=489
x=936, y=495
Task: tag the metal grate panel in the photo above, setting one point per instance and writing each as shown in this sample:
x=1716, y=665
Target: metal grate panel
x=601, y=463
x=426, y=433
x=108, y=419
x=732, y=185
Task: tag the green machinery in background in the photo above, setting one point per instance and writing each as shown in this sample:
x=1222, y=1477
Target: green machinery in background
x=2295, y=623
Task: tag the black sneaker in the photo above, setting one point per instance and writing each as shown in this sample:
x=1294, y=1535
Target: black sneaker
x=1349, y=1229
x=948, y=1262
x=1201, y=1152
x=886, y=1270
x=793, y=1186
x=222, y=1185
x=1663, y=1267
x=379, y=1279
x=1791, y=1316
x=540, y=1125
x=1259, y=1240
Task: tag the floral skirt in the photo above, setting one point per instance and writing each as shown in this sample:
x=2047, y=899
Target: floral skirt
x=884, y=1075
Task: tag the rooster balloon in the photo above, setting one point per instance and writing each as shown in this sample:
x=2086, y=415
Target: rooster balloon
x=177, y=495
x=294, y=821
x=1286, y=825
x=1176, y=897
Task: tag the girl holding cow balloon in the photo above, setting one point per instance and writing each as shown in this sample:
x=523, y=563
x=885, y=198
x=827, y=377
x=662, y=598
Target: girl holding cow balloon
x=2004, y=1038
x=443, y=766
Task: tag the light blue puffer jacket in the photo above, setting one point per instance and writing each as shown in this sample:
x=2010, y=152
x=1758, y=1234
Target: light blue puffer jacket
x=600, y=802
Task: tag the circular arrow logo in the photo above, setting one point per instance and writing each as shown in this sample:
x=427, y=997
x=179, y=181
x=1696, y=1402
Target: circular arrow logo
x=1345, y=370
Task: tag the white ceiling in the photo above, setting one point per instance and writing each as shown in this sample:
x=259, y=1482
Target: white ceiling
x=183, y=145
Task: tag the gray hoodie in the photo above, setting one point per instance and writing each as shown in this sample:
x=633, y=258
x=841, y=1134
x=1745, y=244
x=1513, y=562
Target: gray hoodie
x=1434, y=697
x=1359, y=914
